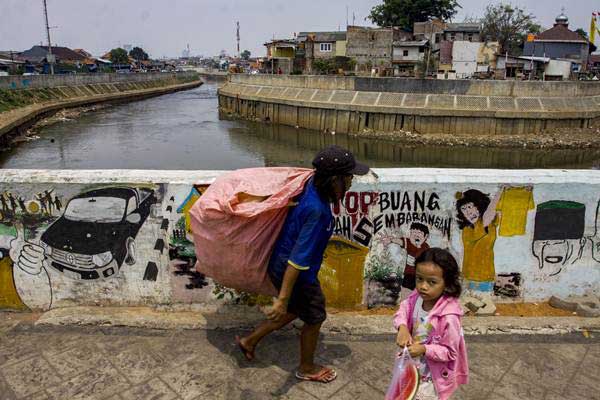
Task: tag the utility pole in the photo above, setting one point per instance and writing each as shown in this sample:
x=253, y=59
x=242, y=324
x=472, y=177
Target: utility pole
x=238, y=39
x=50, y=57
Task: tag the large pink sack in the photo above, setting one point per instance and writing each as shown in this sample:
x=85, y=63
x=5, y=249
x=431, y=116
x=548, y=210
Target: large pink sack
x=236, y=222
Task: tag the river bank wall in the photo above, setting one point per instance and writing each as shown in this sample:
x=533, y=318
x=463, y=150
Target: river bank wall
x=21, y=108
x=132, y=246
x=357, y=105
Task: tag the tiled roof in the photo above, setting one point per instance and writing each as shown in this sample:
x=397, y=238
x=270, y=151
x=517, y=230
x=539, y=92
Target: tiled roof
x=323, y=36
x=560, y=33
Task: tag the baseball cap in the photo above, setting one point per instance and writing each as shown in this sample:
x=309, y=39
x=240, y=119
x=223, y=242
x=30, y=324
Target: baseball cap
x=335, y=160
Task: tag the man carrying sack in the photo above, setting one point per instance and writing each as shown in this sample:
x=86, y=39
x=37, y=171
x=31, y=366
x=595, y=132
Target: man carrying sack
x=296, y=259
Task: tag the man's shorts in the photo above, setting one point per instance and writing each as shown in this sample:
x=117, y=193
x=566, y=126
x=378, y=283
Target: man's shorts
x=307, y=302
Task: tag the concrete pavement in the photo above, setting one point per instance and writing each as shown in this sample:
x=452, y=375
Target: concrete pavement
x=122, y=363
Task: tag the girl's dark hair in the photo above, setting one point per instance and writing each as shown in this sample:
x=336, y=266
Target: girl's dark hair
x=325, y=185
x=480, y=200
x=446, y=261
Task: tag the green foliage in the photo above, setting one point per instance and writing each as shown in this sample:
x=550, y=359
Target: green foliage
x=509, y=26
x=380, y=267
x=138, y=54
x=404, y=13
x=119, y=56
x=246, y=54
x=322, y=66
x=582, y=33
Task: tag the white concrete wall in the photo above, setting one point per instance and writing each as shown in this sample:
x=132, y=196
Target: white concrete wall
x=413, y=54
x=553, y=250
x=464, y=58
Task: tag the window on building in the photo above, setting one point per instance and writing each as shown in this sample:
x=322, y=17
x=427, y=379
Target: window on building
x=405, y=53
x=326, y=47
x=452, y=37
x=421, y=49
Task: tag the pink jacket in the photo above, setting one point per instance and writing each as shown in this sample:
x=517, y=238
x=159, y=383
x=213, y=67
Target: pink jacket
x=445, y=350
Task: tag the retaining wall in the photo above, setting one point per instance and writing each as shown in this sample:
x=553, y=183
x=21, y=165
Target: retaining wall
x=21, y=108
x=132, y=244
x=510, y=88
x=353, y=111
x=44, y=81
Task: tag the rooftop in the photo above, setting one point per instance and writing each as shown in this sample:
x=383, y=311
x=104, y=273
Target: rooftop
x=560, y=33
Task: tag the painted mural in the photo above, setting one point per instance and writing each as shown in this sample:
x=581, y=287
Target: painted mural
x=116, y=244
x=86, y=251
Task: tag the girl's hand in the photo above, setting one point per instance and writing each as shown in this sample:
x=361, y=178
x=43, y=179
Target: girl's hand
x=416, y=350
x=403, y=339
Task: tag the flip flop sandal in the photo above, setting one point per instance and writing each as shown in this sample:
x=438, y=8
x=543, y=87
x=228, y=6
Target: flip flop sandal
x=326, y=375
x=248, y=354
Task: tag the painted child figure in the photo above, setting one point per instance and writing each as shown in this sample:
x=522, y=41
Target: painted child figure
x=414, y=245
x=429, y=323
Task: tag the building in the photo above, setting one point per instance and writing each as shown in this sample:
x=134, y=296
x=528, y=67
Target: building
x=432, y=31
x=559, y=42
x=64, y=55
x=463, y=31
x=473, y=59
x=407, y=54
x=319, y=45
x=371, y=48
x=280, y=56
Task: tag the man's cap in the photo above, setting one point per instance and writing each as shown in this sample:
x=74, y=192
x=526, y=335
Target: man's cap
x=335, y=160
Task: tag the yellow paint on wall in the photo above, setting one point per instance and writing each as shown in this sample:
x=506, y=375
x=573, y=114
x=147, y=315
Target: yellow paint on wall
x=9, y=298
x=340, y=48
x=342, y=273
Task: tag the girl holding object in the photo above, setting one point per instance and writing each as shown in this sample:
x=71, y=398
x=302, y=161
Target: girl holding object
x=429, y=323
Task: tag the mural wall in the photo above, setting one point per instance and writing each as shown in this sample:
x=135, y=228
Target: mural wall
x=131, y=244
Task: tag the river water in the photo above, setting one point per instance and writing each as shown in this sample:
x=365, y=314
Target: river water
x=183, y=131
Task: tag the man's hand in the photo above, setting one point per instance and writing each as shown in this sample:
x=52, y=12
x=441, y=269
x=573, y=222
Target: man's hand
x=416, y=350
x=278, y=310
x=403, y=339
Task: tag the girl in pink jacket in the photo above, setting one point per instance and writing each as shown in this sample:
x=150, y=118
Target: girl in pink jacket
x=429, y=323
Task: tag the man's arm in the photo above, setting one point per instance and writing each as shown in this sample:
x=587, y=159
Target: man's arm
x=280, y=304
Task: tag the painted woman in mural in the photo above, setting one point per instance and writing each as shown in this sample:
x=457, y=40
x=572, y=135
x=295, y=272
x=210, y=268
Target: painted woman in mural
x=477, y=218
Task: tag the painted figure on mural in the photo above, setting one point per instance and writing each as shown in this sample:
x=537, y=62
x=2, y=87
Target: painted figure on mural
x=414, y=244
x=558, y=237
x=478, y=219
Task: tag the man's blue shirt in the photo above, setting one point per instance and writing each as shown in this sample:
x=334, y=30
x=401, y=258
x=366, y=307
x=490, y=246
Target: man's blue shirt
x=303, y=238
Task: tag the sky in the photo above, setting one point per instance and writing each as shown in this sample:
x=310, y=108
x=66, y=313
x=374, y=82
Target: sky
x=165, y=27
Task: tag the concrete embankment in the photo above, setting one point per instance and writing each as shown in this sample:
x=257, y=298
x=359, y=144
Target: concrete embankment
x=23, y=107
x=356, y=105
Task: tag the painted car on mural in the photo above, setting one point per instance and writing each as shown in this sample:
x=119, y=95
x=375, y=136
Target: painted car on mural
x=97, y=232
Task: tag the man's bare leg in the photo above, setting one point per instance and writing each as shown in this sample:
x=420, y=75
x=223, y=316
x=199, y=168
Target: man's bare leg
x=308, y=345
x=249, y=342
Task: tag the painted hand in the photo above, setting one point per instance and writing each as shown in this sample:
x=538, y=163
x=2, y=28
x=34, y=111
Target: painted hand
x=278, y=310
x=26, y=255
x=403, y=338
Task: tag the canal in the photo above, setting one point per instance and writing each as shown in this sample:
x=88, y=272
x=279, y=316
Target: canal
x=183, y=131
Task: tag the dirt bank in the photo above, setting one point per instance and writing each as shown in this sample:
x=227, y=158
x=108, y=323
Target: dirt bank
x=556, y=139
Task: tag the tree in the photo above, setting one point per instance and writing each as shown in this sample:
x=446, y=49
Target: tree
x=246, y=54
x=119, y=56
x=404, y=13
x=509, y=26
x=582, y=33
x=138, y=54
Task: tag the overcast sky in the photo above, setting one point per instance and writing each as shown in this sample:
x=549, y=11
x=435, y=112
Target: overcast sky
x=165, y=27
